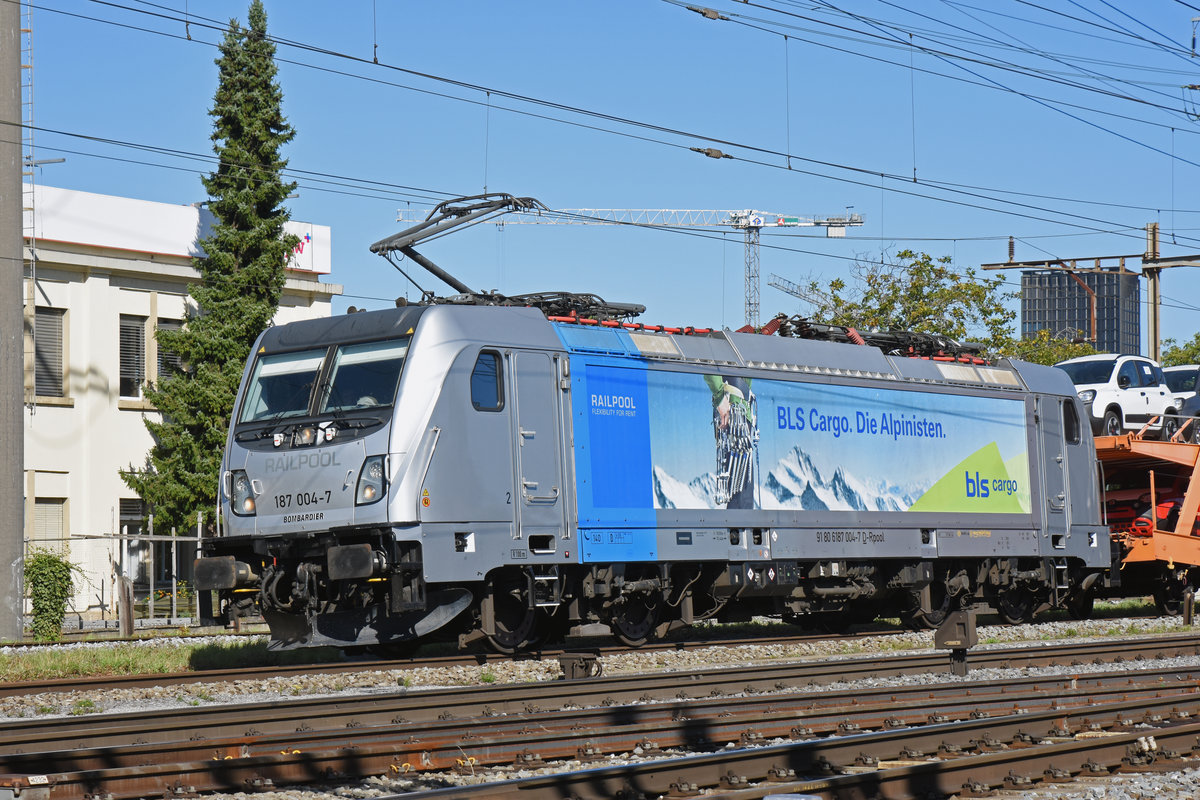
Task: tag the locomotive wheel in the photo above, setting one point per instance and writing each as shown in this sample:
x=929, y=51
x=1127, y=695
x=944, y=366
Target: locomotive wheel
x=920, y=619
x=1015, y=606
x=516, y=622
x=633, y=622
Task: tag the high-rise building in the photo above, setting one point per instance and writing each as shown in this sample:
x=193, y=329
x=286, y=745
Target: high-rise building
x=1053, y=300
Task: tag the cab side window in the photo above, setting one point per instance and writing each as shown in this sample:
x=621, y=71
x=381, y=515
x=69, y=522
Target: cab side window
x=1070, y=422
x=487, y=382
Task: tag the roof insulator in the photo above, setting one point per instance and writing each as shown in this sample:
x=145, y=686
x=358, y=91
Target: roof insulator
x=708, y=13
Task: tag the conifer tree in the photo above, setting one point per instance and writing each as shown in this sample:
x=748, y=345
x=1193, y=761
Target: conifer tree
x=241, y=278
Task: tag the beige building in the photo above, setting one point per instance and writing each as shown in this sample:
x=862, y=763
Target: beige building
x=102, y=273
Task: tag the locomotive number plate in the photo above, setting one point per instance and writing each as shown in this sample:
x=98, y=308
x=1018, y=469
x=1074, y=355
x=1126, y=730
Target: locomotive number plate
x=302, y=499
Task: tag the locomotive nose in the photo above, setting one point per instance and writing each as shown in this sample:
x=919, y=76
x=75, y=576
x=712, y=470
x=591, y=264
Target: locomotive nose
x=329, y=484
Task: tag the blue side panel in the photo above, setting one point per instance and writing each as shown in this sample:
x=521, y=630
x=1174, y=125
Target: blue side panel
x=610, y=410
x=619, y=435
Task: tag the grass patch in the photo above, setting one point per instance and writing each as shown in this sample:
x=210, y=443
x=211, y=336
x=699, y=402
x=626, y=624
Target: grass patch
x=84, y=706
x=121, y=659
x=128, y=659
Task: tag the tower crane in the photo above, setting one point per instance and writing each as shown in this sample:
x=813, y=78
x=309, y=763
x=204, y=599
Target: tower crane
x=750, y=221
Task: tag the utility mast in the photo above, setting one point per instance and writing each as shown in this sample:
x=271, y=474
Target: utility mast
x=12, y=458
x=750, y=221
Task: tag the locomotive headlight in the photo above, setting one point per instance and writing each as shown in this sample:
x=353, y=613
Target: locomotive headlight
x=306, y=435
x=242, y=500
x=1087, y=395
x=371, y=481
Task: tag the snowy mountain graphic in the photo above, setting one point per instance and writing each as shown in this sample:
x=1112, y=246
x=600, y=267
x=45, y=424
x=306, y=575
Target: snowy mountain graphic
x=794, y=482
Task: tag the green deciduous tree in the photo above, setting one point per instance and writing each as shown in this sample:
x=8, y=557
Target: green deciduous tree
x=242, y=275
x=916, y=292
x=1042, y=348
x=1174, y=354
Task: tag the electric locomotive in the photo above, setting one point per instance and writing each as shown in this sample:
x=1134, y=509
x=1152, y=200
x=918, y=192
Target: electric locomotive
x=517, y=470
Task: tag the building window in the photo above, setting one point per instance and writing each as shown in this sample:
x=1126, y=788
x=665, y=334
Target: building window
x=168, y=362
x=49, y=524
x=133, y=515
x=48, y=352
x=133, y=355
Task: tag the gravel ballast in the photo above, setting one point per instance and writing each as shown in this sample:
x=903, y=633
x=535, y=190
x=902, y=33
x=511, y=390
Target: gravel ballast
x=1126, y=787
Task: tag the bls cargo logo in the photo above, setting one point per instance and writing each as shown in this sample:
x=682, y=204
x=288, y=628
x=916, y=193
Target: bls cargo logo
x=982, y=487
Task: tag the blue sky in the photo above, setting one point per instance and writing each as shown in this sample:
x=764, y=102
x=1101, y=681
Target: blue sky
x=1073, y=110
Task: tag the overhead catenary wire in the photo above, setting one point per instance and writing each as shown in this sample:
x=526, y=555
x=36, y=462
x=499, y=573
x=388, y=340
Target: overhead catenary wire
x=745, y=146
x=1047, y=105
x=839, y=166
x=881, y=38
x=1116, y=38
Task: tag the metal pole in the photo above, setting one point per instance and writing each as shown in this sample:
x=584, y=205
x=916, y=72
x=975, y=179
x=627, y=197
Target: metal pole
x=1152, y=285
x=191, y=575
x=125, y=587
x=150, y=573
x=12, y=357
x=174, y=579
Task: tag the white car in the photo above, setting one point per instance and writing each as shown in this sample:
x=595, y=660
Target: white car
x=1123, y=393
x=1181, y=382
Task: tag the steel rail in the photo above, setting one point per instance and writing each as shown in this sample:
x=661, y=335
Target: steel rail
x=204, y=675
x=848, y=766
x=398, y=707
x=526, y=739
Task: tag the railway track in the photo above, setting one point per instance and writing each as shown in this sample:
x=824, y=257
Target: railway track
x=204, y=675
x=242, y=747
x=960, y=758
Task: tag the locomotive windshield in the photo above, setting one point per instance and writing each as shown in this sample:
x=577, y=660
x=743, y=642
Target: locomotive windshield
x=282, y=385
x=364, y=375
x=358, y=376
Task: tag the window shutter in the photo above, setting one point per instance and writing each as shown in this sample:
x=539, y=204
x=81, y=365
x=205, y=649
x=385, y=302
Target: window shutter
x=48, y=352
x=132, y=512
x=133, y=355
x=48, y=522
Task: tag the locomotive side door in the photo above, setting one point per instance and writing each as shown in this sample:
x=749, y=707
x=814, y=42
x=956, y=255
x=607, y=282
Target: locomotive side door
x=538, y=433
x=1053, y=464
